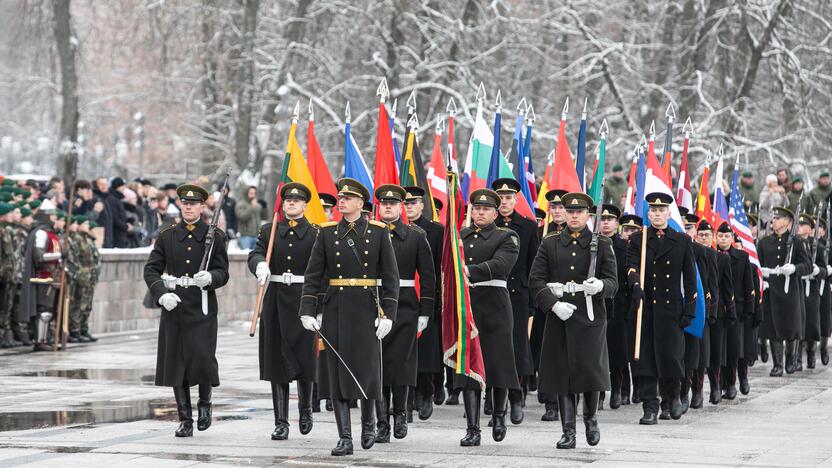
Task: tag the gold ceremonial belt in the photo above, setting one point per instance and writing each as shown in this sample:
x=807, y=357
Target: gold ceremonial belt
x=364, y=282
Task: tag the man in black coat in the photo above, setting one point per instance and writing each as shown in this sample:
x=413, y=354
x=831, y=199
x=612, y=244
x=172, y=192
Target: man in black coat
x=743, y=307
x=669, y=305
x=825, y=295
x=118, y=215
x=782, y=257
x=287, y=350
x=430, y=374
x=617, y=307
x=518, y=288
x=399, y=351
x=490, y=253
x=811, y=288
x=358, y=312
x=186, y=353
x=565, y=280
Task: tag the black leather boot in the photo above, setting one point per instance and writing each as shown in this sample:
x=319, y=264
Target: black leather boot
x=824, y=350
x=515, y=398
x=368, y=424
x=810, y=354
x=453, y=398
x=203, y=407
x=742, y=373
x=664, y=406
x=280, y=403
x=488, y=408
x=675, y=403
x=593, y=433
x=383, y=415
x=566, y=404
x=713, y=381
x=697, y=398
x=798, y=355
x=615, y=391
x=636, y=396
x=791, y=361
x=730, y=377
x=684, y=390
x=316, y=401
x=305, y=406
x=498, y=432
x=399, y=417
x=342, y=422
x=471, y=400
x=626, y=385
x=763, y=350
x=183, y=408
x=776, y=359
x=551, y=413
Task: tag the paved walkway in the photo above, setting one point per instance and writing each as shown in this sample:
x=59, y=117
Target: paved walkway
x=96, y=405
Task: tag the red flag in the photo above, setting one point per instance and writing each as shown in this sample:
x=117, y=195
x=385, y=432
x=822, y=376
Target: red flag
x=437, y=176
x=703, y=201
x=317, y=166
x=385, y=170
x=563, y=175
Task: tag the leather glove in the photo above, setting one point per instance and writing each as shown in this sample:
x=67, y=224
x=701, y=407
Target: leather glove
x=815, y=271
x=262, y=272
x=766, y=272
x=593, y=286
x=685, y=321
x=202, y=279
x=765, y=285
x=636, y=293
x=383, y=327
x=169, y=301
x=788, y=269
x=564, y=310
x=320, y=320
x=309, y=322
x=423, y=323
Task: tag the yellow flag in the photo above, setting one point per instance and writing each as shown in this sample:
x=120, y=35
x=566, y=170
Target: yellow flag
x=298, y=171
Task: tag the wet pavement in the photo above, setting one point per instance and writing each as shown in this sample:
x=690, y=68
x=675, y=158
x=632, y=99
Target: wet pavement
x=96, y=405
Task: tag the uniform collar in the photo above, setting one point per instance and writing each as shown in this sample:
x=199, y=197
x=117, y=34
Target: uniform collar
x=300, y=228
x=399, y=229
x=484, y=232
x=199, y=231
x=359, y=226
x=584, y=237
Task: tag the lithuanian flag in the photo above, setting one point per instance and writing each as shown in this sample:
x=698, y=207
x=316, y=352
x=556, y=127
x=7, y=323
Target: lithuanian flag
x=296, y=170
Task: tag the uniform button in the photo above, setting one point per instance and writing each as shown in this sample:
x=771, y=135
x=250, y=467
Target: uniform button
x=470, y=246
x=475, y=236
x=190, y=236
x=654, y=301
x=189, y=248
x=336, y=242
x=470, y=259
x=668, y=276
x=288, y=257
x=574, y=254
x=366, y=253
x=187, y=261
x=290, y=244
x=668, y=302
x=367, y=241
x=572, y=267
x=291, y=233
x=337, y=253
x=365, y=287
x=668, y=262
x=365, y=264
x=337, y=265
x=512, y=290
x=574, y=242
x=340, y=277
x=288, y=271
x=365, y=276
x=341, y=288
x=336, y=233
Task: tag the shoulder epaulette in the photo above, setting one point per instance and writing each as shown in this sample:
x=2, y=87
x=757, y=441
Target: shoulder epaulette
x=167, y=228
x=315, y=226
x=328, y=224
x=416, y=228
x=551, y=234
x=377, y=223
x=505, y=229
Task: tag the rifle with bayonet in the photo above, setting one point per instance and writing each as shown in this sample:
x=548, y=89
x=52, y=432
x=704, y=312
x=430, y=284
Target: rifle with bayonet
x=209, y=240
x=790, y=241
x=813, y=249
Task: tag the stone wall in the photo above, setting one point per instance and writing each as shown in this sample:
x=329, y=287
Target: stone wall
x=117, y=303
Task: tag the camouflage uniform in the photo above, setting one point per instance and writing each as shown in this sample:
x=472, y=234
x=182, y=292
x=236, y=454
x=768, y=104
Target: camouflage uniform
x=7, y=290
x=19, y=234
x=89, y=269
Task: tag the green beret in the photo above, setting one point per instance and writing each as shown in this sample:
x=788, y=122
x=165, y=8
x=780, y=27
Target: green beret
x=747, y=174
x=60, y=214
x=35, y=204
x=93, y=225
x=24, y=212
x=617, y=167
x=79, y=219
x=796, y=180
x=5, y=208
x=5, y=196
x=9, y=182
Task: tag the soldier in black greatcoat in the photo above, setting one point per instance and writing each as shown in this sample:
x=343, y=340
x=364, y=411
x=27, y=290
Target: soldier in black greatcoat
x=518, y=287
x=186, y=354
x=811, y=288
x=617, y=331
x=352, y=255
x=574, y=357
x=399, y=356
x=669, y=295
x=287, y=350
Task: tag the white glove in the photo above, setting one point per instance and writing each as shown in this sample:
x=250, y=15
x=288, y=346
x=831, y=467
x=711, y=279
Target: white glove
x=564, y=310
x=169, y=282
x=593, y=286
x=309, y=322
x=202, y=279
x=787, y=269
x=169, y=301
x=262, y=272
x=320, y=320
x=765, y=285
x=766, y=272
x=423, y=323
x=557, y=290
x=815, y=271
x=383, y=327
x=828, y=270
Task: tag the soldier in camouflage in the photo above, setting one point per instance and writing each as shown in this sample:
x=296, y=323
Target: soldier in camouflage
x=8, y=212
x=88, y=289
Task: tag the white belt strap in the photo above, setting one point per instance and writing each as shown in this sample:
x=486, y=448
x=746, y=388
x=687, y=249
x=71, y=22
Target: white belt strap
x=172, y=282
x=492, y=283
x=403, y=283
x=559, y=289
x=286, y=278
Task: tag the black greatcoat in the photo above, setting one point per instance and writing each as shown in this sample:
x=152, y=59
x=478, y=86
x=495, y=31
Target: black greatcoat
x=574, y=358
x=412, y=255
x=490, y=253
x=187, y=342
x=743, y=305
x=781, y=311
x=752, y=325
x=349, y=312
x=725, y=311
x=518, y=287
x=698, y=350
x=826, y=295
x=430, y=342
x=618, y=333
x=539, y=320
x=670, y=295
x=287, y=350
x=813, y=299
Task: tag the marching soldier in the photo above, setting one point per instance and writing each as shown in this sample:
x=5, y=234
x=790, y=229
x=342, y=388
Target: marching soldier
x=557, y=224
x=328, y=201
x=754, y=317
x=430, y=374
x=490, y=253
x=354, y=254
x=518, y=287
x=399, y=351
x=287, y=350
x=320, y=389
x=781, y=317
x=630, y=224
x=41, y=274
x=667, y=307
x=825, y=295
x=574, y=358
x=812, y=298
x=187, y=344
x=743, y=308
x=618, y=306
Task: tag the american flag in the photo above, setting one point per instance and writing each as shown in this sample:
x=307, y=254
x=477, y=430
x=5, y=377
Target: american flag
x=739, y=224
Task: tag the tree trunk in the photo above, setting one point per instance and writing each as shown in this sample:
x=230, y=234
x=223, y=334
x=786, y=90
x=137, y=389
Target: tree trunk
x=69, y=89
x=245, y=83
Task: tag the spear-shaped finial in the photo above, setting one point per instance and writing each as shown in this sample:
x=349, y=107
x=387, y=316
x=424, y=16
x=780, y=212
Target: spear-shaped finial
x=688, y=128
x=296, y=112
x=522, y=106
x=737, y=161
x=383, y=91
x=583, y=112
x=499, y=101
x=652, y=129
x=481, y=92
x=347, y=114
x=311, y=112
x=565, y=109
x=721, y=151
x=451, y=107
x=411, y=102
x=643, y=142
x=670, y=113
x=605, y=129
x=636, y=151
x=440, y=124
x=393, y=108
x=413, y=123
x=530, y=117
x=708, y=157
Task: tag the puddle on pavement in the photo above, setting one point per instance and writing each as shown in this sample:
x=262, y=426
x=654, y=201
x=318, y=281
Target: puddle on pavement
x=144, y=376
